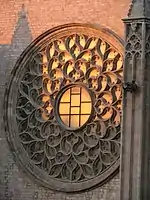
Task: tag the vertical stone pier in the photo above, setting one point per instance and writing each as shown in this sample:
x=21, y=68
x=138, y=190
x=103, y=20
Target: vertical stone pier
x=135, y=165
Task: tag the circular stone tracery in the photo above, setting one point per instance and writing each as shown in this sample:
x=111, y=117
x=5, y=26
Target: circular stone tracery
x=77, y=153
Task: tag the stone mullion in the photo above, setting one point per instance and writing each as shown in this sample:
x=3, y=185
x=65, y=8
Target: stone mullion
x=126, y=122
x=145, y=171
x=139, y=118
x=133, y=107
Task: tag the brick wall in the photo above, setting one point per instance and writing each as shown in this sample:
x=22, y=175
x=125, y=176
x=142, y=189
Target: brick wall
x=45, y=14
x=19, y=25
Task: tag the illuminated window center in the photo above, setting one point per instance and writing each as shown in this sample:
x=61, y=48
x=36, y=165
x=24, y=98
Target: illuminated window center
x=75, y=107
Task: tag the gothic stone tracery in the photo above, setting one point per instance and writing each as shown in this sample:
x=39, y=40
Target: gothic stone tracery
x=80, y=143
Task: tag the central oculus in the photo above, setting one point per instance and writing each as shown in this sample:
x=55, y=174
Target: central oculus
x=74, y=106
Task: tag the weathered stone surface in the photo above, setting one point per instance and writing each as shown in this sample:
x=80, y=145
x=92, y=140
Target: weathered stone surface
x=18, y=33
x=136, y=107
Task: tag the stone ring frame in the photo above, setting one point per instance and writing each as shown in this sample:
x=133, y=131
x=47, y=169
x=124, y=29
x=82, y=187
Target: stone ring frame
x=72, y=55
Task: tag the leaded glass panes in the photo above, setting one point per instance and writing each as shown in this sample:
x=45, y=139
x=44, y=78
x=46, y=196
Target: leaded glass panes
x=75, y=103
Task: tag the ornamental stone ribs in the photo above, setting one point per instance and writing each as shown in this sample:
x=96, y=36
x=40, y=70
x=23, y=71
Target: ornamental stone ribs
x=69, y=156
x=16, y=185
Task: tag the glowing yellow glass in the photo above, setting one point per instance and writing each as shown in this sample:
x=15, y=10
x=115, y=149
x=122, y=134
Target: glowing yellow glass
x=66, y=96
x=74, y=123
x=84, y=119
x=75, y=110
x=85, y=108
x=85, y=95
x=75, y=100
x=65, y=119
x=75, y=107
x=66, y=110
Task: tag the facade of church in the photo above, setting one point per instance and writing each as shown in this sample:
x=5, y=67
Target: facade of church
x=74, y=104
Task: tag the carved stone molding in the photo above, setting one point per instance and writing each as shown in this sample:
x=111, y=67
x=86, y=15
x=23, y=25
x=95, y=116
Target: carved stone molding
x=63, y=107
x=136, y=107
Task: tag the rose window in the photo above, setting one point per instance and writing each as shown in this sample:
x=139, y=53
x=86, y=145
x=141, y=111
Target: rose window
x=63, y=107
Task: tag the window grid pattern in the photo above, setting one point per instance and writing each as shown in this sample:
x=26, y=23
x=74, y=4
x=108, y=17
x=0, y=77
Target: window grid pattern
x=76, y=109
